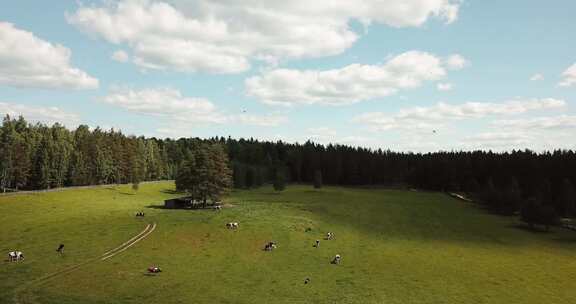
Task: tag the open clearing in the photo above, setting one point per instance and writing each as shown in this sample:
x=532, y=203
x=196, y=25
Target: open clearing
x=396, y=247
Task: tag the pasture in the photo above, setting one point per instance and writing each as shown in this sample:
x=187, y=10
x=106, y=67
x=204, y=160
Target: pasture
x=396, y=247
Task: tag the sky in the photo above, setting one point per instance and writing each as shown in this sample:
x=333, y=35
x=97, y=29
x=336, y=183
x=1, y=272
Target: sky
x=404, y=75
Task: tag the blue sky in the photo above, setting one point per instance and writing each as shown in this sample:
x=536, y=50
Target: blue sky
x=418, y=75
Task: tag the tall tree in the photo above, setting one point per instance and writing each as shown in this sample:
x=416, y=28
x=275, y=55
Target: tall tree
x=317, y=179
x=566, y=200
x=206, y=174
x=279, y=183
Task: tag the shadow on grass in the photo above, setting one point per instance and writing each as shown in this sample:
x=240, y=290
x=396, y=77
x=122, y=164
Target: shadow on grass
x=170, y=191
x=156, y=207
x=524, y=227
x=209, y=207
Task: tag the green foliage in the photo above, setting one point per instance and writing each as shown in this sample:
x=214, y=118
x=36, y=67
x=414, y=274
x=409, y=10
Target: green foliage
x=534, y=213
x=530, y=212
x=566, y=200
x=279, y=183
x=205, y=174
x=318, y=179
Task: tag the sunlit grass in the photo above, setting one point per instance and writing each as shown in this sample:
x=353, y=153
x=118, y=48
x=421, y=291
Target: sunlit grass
x=396, y=247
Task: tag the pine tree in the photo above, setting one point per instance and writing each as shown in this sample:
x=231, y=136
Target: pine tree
x=279, y=183
x=566, y=201
x=206, y=174
x=318, y=179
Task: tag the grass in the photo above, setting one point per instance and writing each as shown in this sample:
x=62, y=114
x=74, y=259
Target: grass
x=396, y=247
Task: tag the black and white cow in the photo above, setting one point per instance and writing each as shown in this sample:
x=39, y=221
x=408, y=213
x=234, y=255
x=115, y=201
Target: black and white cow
x=336, y=259
x=14, y=256
x=270, y=246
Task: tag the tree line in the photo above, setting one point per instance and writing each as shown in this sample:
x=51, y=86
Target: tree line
x=36, y=156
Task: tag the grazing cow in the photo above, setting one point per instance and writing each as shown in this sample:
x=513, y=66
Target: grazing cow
x=234, y=225
x=307, y=281
x=60, y=249
x=154, y=269
x=12, y=256
x=218, y=208
x=317, y=244
x=336, y=259
x=270, y=246
x=329, y=236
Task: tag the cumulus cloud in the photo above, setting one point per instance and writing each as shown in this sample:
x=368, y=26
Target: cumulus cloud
x=224, y=36
x=47, y=115
x=444, y=87
x=431, y=117
x=537, y=77
x=171, y=104
x=120, y=56
x=347, y=85
x=569, y=77
x=539, y=123
x=28, y=61
x=259, y=120
x=456, y=62
x=497, y=141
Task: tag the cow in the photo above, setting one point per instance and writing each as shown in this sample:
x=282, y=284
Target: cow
x=15, y=256
x=218, y=208
x=60, y=249
x=329, y=236
x=232, y=225
x=154, y=269
x=317, y=244
x=270, y=246
x=336, y=259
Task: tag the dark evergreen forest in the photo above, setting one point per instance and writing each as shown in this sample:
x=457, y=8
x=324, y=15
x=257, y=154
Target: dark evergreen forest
x=36, y=156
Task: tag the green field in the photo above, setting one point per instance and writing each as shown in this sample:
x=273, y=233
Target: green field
x=396, y=247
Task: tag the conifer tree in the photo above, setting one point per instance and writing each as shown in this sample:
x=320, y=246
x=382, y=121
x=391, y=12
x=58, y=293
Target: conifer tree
x=317, y=179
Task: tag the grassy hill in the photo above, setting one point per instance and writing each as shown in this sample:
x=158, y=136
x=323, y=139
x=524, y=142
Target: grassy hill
x=396, y=247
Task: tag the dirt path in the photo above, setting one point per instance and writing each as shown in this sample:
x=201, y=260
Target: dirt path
x=111, y=253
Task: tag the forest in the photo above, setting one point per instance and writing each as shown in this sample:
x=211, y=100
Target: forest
x=37, y=156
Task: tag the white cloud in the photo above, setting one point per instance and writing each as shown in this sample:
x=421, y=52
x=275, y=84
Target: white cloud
x=120, y=56
x=225, y=36
x=537, y=77
x=539, y=123
x=420, y=118
x=444, y=87
x=347, y=85
x=47, y=115
x=327, y=135
x=28, y=61
x=259, y=120
x=497, y=141
x=170, y=104
x=456, y=62
x=569, y=77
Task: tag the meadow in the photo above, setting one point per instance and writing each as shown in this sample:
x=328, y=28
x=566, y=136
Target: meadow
x=396, y=247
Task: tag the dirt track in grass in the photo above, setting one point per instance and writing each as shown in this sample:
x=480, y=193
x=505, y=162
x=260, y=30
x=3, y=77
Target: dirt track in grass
x=109, y=254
